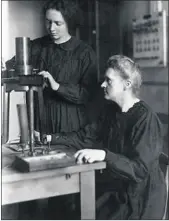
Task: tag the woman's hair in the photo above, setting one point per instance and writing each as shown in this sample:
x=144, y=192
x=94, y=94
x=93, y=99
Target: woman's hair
x=69, y=9
x=127, y=69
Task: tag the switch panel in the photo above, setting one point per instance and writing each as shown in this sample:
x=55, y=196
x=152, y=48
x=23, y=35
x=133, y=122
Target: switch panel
x=150, y=40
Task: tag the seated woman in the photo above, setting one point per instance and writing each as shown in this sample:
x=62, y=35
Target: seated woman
x=132, y=186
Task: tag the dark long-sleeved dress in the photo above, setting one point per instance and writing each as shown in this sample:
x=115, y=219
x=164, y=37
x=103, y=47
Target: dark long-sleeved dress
x=73, y=65
x=132, y=186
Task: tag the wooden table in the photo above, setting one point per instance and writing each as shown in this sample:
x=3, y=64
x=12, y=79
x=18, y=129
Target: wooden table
x=19, y=187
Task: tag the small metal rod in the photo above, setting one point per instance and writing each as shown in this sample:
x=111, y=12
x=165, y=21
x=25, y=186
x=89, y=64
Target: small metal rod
x=41, y=112
x=31, y=119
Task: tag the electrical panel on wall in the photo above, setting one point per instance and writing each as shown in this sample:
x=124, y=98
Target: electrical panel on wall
x=150, y=40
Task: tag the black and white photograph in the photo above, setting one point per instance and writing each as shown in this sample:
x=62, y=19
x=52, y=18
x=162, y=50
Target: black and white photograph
x=84, y=110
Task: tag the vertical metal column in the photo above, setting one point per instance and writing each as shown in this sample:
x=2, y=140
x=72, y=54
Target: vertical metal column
x=31, y=120
x=5, y=115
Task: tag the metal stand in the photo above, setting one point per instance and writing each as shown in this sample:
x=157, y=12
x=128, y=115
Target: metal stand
x=23, y=79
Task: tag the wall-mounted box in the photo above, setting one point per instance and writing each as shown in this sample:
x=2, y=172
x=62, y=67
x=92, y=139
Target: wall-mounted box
x=150, y=40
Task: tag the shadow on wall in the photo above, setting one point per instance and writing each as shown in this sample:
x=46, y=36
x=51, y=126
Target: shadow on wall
x=96, y=103
x=127, y=43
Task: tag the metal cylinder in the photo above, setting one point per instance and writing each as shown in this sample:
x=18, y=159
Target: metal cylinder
x=23, y=123
x=23, y=69
x=22, y=50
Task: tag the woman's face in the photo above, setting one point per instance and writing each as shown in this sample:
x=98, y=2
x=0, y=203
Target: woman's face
x=113, y=85
x=56, y=25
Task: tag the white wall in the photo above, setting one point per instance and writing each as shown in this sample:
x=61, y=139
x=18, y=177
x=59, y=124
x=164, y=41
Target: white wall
x=25, y=19
x=19, y=18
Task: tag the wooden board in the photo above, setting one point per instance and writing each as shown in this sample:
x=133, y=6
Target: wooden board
x=43, y=162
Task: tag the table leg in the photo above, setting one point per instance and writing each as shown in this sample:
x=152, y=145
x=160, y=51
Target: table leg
x=87, y=195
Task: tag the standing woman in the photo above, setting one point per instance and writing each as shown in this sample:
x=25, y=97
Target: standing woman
x=68, y=64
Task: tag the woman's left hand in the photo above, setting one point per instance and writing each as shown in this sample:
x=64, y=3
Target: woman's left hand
x=54, y=85
x=89, y=155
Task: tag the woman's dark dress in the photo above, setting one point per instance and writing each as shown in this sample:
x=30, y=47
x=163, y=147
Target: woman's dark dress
x=133, y=185
x=73, y=65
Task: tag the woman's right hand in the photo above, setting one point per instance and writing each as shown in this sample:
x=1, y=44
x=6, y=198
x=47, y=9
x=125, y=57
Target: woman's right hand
x=53, y=84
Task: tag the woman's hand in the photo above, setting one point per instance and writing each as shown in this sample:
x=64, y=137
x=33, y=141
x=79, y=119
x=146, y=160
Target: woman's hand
x=54, y=85
x=89, y=155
